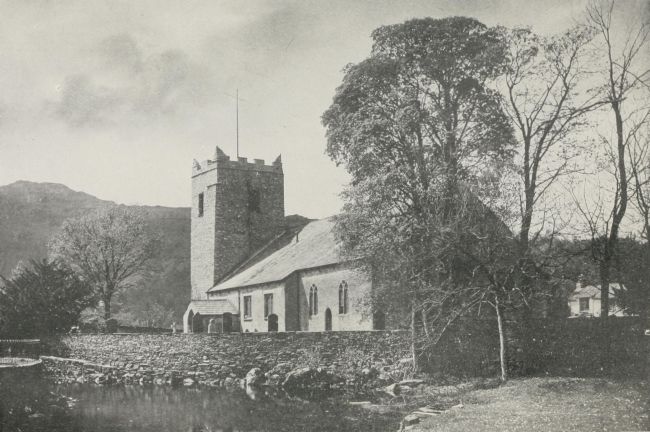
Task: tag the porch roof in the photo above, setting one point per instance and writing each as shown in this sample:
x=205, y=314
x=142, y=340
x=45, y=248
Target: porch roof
x=212, y=307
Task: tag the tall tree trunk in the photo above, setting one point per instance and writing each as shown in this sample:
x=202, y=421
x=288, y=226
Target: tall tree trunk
x=107, y=307
x=604, y=290
x=502, y=340
x=605, y=346
x=414, y=354
x=525, y=260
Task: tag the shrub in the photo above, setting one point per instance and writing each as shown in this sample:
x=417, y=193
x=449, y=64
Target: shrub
x=43, y=298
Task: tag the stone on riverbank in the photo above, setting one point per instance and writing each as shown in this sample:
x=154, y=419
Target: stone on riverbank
x=255, y=377
x=309, y=379
x=411, y=419
x=411, y=382
x=393, y=389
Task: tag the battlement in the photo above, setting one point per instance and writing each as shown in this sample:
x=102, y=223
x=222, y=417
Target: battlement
x=222, y=160
x=237, y=207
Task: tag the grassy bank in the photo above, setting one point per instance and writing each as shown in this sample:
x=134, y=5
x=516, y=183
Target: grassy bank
x=549, y=404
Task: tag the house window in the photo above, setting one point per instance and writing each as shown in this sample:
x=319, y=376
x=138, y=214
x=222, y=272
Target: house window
x=584, y=304
x=343, y=297
x=201, y=204
x=268, y=305
x=313, y=300
x=248, y=303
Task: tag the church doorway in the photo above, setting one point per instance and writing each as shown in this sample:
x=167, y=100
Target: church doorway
x=227, y=322
x=328, y=319
x=197, y=323
x=273, y=322
x=378, y=321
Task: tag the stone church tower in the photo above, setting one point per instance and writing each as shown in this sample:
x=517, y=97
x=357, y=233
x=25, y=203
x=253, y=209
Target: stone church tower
x=237, y=207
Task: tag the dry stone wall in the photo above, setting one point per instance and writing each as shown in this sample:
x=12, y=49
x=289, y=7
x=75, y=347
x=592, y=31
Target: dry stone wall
x=224, y=359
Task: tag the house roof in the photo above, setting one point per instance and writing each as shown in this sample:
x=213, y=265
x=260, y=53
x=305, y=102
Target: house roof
x=313, y=245
x=591, y=291
x=212, y=307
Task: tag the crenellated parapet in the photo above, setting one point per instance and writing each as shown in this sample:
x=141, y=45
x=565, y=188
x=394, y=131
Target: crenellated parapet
x=222, y=160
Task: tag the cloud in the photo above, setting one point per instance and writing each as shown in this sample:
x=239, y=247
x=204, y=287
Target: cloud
x=84, y=103
x=121, y=51
x=121, y=80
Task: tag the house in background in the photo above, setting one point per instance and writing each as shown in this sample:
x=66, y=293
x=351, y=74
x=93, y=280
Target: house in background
x=585, y=301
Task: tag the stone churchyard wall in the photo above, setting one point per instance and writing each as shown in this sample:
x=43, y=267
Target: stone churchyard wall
x=204, y=359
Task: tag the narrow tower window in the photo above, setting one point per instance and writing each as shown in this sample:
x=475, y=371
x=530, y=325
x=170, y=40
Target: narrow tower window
x=254, y=200
x=201, y=204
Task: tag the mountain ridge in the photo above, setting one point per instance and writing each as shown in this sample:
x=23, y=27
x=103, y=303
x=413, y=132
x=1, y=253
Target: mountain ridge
x=32, y=212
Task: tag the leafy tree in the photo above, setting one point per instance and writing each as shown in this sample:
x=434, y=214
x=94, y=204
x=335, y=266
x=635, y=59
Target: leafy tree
x=109, y=249
x=44, y=298
x=423, y=137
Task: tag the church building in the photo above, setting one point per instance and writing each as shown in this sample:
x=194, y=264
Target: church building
x=255, y=270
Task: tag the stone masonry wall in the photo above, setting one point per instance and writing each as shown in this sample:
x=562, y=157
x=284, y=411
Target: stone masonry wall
x=220, y=359
x=249, y=211
x=243, y=208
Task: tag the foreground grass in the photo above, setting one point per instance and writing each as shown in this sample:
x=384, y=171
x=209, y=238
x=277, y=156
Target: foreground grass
x=550, y=404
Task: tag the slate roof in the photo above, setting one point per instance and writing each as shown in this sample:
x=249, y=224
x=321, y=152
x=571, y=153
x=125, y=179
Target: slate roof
x=312, y=245
x=212, y=307
x=591, y=291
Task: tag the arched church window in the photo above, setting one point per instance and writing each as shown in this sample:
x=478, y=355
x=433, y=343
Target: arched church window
x=343, y=297
x=313, y=300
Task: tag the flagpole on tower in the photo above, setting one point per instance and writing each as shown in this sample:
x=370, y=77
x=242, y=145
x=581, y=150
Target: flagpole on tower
x=237, y=124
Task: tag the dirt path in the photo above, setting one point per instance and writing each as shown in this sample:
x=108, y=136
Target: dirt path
x=550, y=404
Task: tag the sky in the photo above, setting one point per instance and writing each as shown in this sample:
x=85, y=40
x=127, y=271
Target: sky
x=115, y=98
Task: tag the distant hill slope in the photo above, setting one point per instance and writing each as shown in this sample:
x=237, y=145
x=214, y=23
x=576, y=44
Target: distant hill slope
x=31, y=213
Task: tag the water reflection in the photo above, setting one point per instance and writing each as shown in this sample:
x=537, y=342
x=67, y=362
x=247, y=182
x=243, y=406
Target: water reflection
x=134, y=408
x=30, y=402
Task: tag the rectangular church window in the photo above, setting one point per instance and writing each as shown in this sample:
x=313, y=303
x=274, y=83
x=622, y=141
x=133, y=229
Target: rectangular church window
x=248, y=302
x=268, y=305
x=201, y=204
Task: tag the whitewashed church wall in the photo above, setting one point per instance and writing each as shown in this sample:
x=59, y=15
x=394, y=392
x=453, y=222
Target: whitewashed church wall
x=328, y=280
x=257, y=322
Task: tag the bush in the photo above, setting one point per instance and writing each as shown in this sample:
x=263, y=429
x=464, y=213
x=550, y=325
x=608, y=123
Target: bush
x=43, y=299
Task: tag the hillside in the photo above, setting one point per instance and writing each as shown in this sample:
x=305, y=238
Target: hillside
x=30, y=214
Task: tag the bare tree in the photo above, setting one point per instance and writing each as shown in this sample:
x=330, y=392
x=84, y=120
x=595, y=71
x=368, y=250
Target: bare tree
x=545, y=98
x=109, y=249
x=623, y=79
x=639, y=154
x=545, y=104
